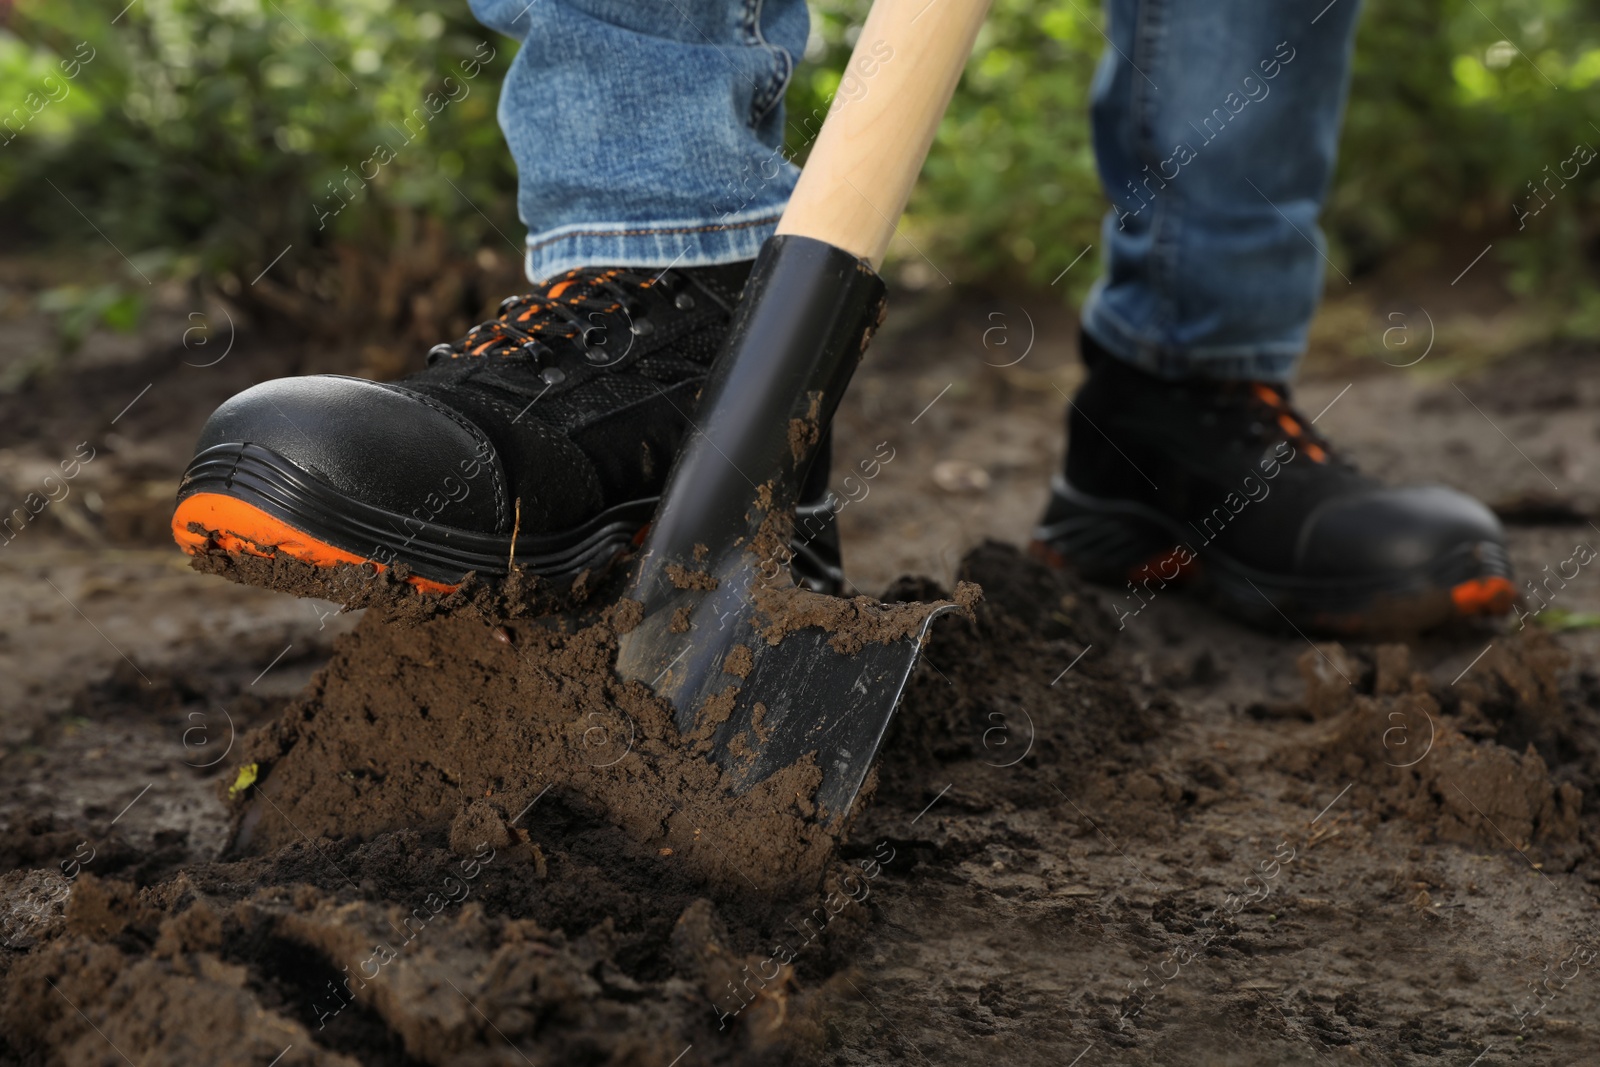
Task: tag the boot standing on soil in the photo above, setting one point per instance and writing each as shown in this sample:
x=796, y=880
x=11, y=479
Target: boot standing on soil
x=1186, y=459
x=648, y=141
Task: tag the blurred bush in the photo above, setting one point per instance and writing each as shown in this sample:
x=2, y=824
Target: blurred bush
x=1447, y=125
x=204, y=137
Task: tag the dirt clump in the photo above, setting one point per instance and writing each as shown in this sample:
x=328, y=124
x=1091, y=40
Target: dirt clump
x=354, y=586
x=409, y=726
x=853, y=622
x=684, y=578
x=1459, y=759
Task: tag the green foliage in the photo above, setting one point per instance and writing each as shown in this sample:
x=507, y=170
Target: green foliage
x=1447, y=124
x=80, y=308
x=1451, y=127
x=205, y=136
x=1560, y=619
x=208, y=135
x=1009, y=188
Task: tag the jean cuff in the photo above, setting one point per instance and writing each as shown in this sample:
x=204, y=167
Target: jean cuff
x=1263, y=361
x=693, y=243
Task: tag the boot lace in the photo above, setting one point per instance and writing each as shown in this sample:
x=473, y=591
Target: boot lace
x=1280, y=420
x=578, y=311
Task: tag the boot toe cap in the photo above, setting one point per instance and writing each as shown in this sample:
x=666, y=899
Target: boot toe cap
x=1390, y=530
x=383, y=446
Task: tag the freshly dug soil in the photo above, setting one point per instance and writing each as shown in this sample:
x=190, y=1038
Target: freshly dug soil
x=464, y=811
x=1394, y=869
x=466, y=843
x=419, y=724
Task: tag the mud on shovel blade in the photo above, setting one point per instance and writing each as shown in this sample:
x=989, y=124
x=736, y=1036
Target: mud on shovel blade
x=719, y=540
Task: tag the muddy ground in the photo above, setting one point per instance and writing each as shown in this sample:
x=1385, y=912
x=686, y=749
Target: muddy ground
x=1169, y=841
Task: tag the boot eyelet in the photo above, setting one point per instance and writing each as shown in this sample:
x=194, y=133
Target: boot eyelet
x=508, y=303
x=683, y=302
x=642, y=327
x=438, y=352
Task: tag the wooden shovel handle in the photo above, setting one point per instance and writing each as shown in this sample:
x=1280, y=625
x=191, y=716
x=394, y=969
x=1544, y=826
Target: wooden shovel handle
x=902, y=72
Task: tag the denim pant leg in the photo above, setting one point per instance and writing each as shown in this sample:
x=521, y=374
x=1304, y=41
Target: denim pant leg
x=1215, y=127
x=647, y=134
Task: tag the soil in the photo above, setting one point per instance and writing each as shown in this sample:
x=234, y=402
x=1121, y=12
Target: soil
x=241, y=828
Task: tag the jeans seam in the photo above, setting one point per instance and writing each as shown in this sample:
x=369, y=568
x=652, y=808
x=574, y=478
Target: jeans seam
x=766, y=96
x=656, y=230
x=1148, y=44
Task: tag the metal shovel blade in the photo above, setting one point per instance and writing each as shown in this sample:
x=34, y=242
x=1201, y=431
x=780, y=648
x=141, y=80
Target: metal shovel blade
x=765, y=705
x=713, y=574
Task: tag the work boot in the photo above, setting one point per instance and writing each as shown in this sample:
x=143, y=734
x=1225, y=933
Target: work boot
x=1225, y=486
x=543, y=437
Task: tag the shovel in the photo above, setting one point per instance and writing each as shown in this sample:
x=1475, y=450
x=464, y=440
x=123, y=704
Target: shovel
x=764, y=674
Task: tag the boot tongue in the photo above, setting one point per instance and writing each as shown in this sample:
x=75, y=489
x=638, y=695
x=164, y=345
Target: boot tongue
x=724, y=281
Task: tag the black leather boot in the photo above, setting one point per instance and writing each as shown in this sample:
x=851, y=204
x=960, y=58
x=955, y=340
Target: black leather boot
x=550, y=428
x=1224, y=486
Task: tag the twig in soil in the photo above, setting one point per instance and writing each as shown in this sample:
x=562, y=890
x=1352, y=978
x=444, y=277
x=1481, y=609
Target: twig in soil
x=516, y=531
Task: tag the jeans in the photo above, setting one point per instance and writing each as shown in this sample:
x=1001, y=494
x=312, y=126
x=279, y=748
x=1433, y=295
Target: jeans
x=650, y=133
